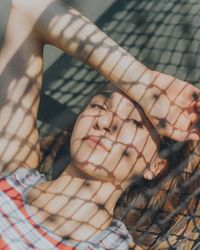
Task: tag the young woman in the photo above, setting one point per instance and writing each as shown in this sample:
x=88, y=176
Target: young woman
x=112, y=143
x=159, y=210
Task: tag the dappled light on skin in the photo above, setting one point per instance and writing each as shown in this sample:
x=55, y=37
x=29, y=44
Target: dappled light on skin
x=124, y=168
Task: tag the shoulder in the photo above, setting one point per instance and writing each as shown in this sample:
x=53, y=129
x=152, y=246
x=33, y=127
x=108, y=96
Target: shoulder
x=118, y=228
x=22, y=179
x=116, y=236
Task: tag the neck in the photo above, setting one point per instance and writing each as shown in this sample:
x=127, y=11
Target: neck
x=75, y=205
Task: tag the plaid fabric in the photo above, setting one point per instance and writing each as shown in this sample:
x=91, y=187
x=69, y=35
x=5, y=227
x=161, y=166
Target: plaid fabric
x=19, y=229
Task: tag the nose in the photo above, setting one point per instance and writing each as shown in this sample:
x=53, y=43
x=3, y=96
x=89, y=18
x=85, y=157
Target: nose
x=108, y=122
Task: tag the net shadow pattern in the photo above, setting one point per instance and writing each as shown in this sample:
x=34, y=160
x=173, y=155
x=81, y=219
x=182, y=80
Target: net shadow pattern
x=165, y=36
x=172, y=219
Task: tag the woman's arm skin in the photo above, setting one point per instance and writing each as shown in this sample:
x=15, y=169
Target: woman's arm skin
x=168, y=102
x=21, y=76
x=32, y=24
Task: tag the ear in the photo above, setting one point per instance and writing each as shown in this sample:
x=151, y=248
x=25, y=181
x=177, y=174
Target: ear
x=155, y=168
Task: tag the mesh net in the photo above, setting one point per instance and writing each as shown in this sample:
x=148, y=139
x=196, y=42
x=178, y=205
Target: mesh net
x=159, y=214
x=165, y=36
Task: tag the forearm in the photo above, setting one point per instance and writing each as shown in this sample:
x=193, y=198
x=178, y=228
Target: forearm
x=64, y=27
x=52, y=21
x=69, y=30
x=20, y=82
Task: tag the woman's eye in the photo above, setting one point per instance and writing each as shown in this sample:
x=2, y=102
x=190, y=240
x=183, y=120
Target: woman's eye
x=138, y=124
x=97, y=106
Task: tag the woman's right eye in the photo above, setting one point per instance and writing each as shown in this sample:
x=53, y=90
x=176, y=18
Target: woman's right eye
x=97, y=106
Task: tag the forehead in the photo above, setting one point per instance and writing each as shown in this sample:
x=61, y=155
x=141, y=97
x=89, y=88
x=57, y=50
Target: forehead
x=118, y=101
x=125, y=107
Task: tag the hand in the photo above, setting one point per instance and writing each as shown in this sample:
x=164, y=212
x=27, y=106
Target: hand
x=173, y=107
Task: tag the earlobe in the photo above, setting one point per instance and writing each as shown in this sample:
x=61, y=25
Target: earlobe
x=155, y=169
x=148, y=175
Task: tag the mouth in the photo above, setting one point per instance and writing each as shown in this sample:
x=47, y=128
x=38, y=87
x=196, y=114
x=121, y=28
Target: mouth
x=96, y=142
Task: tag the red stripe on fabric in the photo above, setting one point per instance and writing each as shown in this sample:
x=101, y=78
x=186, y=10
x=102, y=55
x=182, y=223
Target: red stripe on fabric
x=18, y=201
x=9, y=190
x=22, y=236
x=3, y=244
x=44, y=234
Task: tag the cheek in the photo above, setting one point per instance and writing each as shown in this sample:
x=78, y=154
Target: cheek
x=124, y=163
x=126, y=134
x=138, y=150
x=80, y=152
x=150, y=149
x=139, y=139
x=131, y=164
x=83, y=126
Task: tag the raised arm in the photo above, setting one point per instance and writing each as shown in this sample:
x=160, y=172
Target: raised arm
x=33, y=23
x=169, y=103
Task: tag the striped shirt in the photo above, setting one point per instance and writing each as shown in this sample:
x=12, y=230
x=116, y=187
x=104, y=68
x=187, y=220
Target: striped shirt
x=20, y=230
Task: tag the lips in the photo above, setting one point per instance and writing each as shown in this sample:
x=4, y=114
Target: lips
x=98, y=142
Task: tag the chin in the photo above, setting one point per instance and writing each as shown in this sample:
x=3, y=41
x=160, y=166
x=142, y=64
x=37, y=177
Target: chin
x=92, y=172
x=83, y=155
x=91, y=165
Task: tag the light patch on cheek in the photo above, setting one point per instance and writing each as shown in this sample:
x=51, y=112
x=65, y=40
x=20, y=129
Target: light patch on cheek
x=139, y=166
x=131, y=164
x=131, y=154
x=83, y=124
x=114, y=157
x=125, y=138
x=149, y=150
x=140, y=140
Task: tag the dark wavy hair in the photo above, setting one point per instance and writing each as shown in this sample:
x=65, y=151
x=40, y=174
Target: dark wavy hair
x=158, y=213
x=163, y=212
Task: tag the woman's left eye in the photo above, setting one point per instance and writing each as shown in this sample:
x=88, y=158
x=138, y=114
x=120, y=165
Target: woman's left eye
x=138, y=124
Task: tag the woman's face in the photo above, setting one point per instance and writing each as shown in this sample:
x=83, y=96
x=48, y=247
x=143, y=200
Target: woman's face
x=112, y=138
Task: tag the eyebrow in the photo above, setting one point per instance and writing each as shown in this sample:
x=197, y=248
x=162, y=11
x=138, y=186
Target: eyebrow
x=105, y=93
x=108, y=93
x=156, y=137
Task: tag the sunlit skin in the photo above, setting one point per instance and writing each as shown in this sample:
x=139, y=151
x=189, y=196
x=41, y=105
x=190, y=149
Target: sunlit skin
x=112, y=142
x=165, y=99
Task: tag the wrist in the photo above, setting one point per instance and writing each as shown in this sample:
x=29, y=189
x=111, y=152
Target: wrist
x=137, y=80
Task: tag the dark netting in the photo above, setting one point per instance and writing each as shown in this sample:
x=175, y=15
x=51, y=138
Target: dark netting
x=164, y=35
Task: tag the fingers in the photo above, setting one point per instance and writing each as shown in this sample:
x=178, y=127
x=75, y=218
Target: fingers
x=179, y=135
x=192, y=133
x=179, y=118
x=182, y=126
